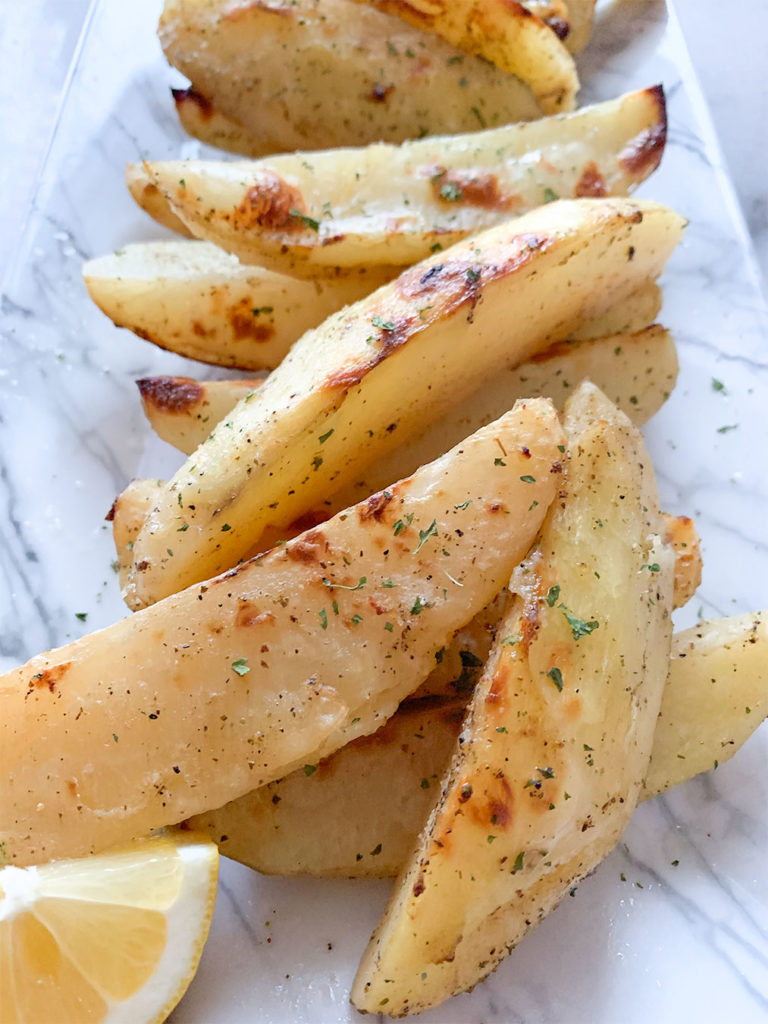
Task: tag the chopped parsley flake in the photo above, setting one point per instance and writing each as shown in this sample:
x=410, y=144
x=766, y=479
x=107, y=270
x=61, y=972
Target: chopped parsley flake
x=324, y=437
x=402, y=524
x=82, y=616
x=383, y=325
x=418, y=606
x=340, y=586
x=557, y=677
x=552, y=594
x=550, y=196
x=580, y=627
x=499, y=462
x=450, y=192
x=323, y=619
x=310, y=769
x=518, y=865
x=528, y=479
x=424, y=535
x=241, y=666
x=310, y=222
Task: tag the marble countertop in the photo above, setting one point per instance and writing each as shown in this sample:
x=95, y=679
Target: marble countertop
x=38, y=39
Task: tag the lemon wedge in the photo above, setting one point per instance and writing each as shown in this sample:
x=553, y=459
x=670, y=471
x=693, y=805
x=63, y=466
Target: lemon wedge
x=112, y=938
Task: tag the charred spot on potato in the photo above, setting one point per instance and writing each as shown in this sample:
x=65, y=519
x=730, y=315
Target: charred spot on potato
x=272, y=204
x=47, y=678
x=380, y=93
x=247, y=326
x=591, y=184
x=643, y=154
x=171, y=394
x=470, y=188
x=248, y=614
x=191, y=96
x=310, y=547
x=374, y=507
x=559, y=26
x=109, y=517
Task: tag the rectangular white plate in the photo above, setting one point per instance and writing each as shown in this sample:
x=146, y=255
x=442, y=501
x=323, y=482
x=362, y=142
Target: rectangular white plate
x=669, y=944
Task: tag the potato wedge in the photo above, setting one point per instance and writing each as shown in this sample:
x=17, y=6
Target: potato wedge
x=152, y=200
x=295, y=74
x=360, y=813
x=236, y=682
x=199, y=118
x=637, y=371
x=379, y=372
x=716, y=698
x=194, y=299
x=581, y=14
x=127, y=515
x=681, y=533
x=504, y=32
x=393, y=205
x=632, y=314
x=567, y=704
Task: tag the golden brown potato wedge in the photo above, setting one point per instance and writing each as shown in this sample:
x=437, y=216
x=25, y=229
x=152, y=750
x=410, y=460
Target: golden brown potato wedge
x=152, y=200
x=393, y=205
x=557, y=740
x=504, y=32
x=716, y=698
x=681, y=533
x=379, y=372
x=239, y=680
x=637, y=371
x=295, y=74
x=360, y=813
x=198, y=301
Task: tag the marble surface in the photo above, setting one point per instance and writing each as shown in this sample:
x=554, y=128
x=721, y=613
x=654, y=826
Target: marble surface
x=672, y=942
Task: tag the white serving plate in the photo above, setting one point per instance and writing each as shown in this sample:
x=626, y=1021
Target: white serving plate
x=669, y=944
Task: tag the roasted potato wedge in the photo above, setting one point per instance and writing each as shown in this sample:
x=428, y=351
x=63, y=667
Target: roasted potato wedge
x=194, y=299
x=379, y=372
x=295, y=74
x=558, y=736
x=360, y=813
x=504, y=32
x=236, y=682
x=716, y=697
x=152, y=200
x=637, y=371
x=681, y=533
x=393, y=205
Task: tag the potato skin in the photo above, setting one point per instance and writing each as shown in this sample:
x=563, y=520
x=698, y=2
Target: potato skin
x=305, y=75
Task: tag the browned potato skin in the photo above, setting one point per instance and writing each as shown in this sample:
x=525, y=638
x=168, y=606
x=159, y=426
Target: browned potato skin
x=373, y=796
x=297, y=76
x=198, y=117
x=504, y=32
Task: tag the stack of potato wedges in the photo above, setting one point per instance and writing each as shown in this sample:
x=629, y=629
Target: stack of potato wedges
x=420, y=553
